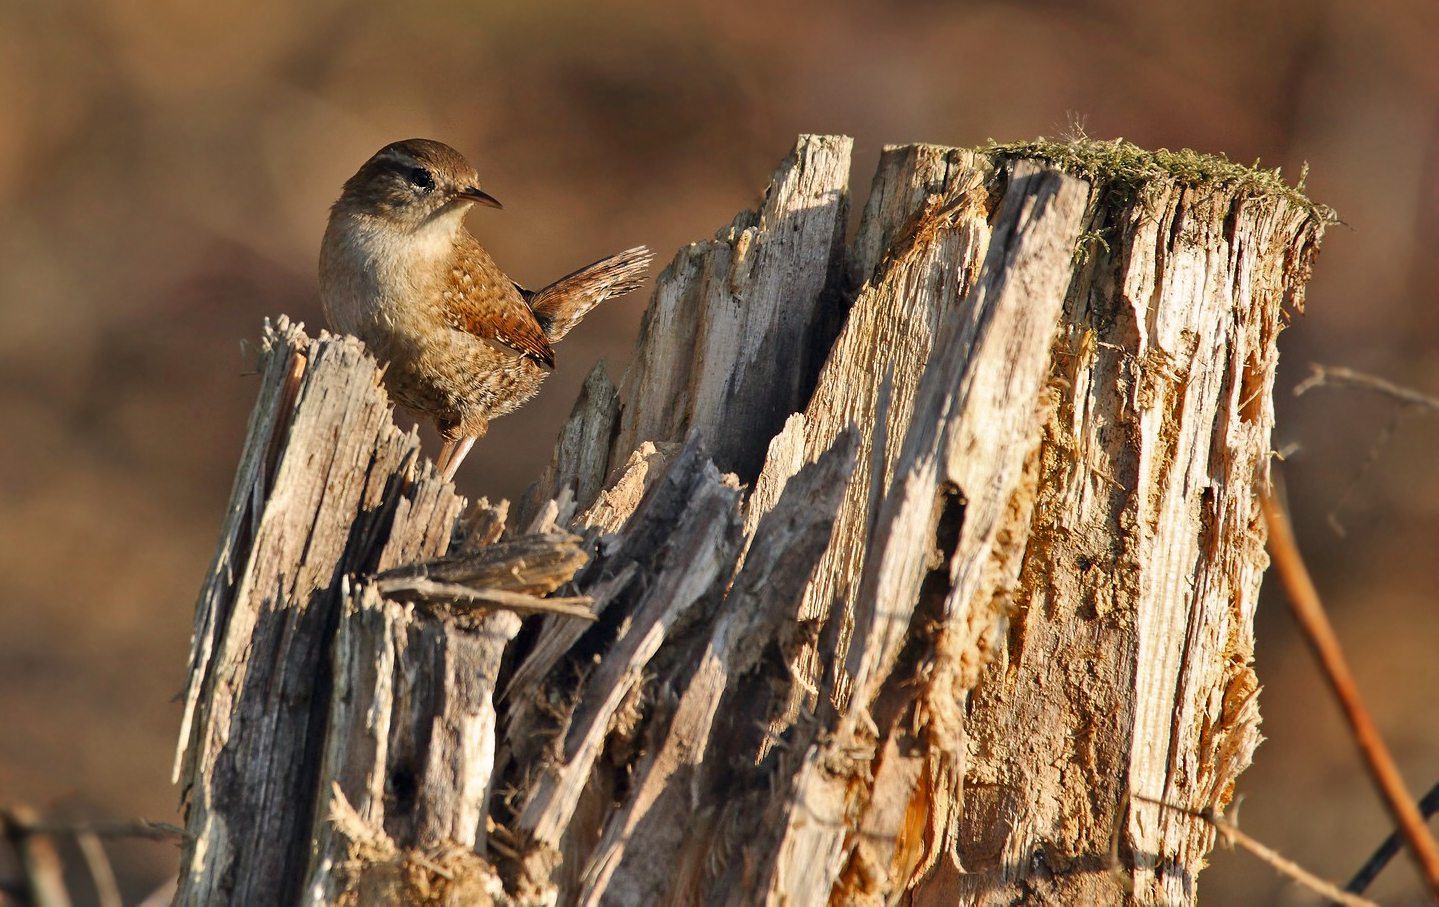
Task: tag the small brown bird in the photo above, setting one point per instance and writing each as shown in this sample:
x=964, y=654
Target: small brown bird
x=461, y=342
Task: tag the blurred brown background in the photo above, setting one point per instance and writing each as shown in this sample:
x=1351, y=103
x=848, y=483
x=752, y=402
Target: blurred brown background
x=165, y=173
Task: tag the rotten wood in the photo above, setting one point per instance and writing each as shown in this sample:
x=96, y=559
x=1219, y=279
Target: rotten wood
x=906, y=570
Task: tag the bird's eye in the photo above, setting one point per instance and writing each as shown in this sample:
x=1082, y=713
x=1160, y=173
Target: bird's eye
x=421, y=179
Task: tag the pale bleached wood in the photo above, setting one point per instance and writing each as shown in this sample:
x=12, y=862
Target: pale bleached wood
x=736, y=327
x=280, y=379
x=927, y=221
x=330, y=489
x=616, y=506
x=634, y=479
x=931, y=683
x=701, y=530
x=1146, y=538
x=908, y=180
x=378, y=873
x=975, y=424
x=410, y=749
x=961, y=466
x=317, y=497
x=581, y=457
x=640, y=855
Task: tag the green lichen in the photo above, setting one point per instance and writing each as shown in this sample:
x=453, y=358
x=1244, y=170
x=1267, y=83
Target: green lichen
x=1124, y=168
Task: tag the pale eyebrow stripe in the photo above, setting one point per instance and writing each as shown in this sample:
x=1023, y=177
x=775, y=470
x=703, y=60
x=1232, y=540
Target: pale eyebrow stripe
x=396, y=157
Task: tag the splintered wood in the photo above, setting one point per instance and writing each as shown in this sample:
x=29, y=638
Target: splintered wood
x=888, y=572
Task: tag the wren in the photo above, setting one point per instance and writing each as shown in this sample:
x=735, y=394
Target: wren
x=461, y=343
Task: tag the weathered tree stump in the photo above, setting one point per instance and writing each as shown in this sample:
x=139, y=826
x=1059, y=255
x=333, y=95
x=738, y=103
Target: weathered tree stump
x=909, y=569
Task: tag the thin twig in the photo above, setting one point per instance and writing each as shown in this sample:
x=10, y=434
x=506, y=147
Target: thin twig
x=428, y=590
x=1309, y=611
x=162, y=896
x=1428, y=806
x=1338, y=376
x=1370, y=458
x=1334, y=375
x=1232, y=835
x=31, y=836
x=39, y=861
x=137, y=828
x=102, y=874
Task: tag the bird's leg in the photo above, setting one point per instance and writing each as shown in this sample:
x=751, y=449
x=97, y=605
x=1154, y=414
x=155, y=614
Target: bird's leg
x=452, y=454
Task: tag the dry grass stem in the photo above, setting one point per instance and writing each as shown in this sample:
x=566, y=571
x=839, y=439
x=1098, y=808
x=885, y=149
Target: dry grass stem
x=1232, y=835
x=1338, y=376
x=1309, y=611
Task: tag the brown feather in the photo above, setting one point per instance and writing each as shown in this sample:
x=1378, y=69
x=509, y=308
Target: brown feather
x=484, y=302
x=560, y=306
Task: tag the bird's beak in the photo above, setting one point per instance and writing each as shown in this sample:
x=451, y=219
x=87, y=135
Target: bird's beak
x=475, y=194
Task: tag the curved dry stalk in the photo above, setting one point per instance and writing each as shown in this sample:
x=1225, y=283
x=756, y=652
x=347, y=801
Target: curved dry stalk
x=1335, y=375
x=1309, y=611
x=1285, y=866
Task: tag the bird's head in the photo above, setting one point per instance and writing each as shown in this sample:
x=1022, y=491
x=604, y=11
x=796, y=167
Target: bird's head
x=413, y=184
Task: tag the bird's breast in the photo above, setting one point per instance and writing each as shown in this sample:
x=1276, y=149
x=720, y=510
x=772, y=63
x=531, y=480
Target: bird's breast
x=381, y=283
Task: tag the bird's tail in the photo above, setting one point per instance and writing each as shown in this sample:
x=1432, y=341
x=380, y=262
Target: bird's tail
x=561, y=305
